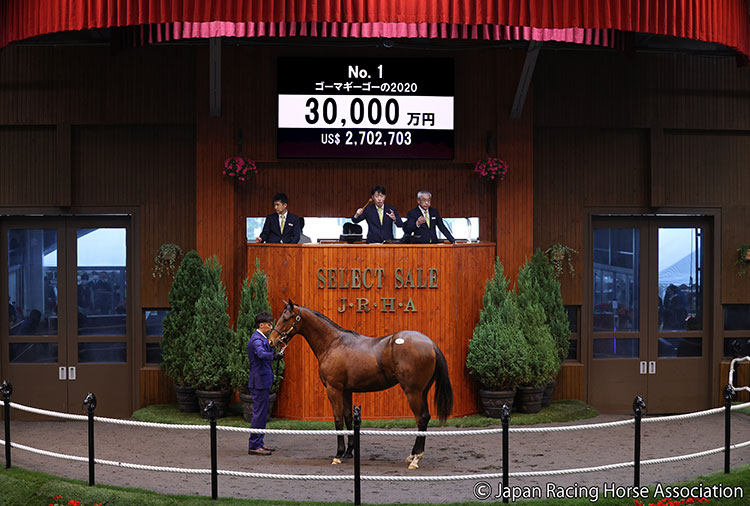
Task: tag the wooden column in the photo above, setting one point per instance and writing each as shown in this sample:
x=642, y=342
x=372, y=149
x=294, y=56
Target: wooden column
x=514, y=220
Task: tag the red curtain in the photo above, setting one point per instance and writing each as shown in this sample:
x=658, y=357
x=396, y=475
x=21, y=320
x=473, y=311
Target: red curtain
x=721, y=21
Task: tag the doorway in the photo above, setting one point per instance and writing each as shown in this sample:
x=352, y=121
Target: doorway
x=651, y=316
x=69, y=329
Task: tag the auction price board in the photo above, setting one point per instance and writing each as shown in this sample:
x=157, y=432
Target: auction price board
x=365, y=108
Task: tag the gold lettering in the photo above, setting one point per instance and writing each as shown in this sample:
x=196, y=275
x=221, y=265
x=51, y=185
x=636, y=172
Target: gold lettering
x=388, y=302
x=356, y=275
x=343, y=305
x=433, y=278
x=379, y=273
x=399, y=278
x=410, y=307
x=331, y=278
x=364, y=278
x=409, y=280
x=321, y=278
x=342, y=279
x=421, y=283
x=362, y=304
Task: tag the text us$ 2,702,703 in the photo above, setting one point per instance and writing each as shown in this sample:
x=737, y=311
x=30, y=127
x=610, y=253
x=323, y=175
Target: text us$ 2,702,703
x=367, y=138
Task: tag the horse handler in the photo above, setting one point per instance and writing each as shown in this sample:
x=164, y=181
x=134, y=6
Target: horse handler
x=260, y=380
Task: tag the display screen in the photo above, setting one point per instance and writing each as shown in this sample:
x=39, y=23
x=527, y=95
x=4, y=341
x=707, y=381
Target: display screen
x=365, y=108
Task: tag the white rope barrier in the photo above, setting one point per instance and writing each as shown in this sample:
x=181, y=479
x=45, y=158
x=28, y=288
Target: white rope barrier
x=731, y=373
x=485, y=476
x=373, y=432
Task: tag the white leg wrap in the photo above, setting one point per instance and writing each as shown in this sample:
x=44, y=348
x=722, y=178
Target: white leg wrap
x=415, y=461
x=335, y=461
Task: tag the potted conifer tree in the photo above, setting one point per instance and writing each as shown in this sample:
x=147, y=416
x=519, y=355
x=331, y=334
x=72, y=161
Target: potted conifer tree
x=543, y=363
x=498, y=354
x=178, y=327
x=538, y=280
x=254, y=301
x=211, y=345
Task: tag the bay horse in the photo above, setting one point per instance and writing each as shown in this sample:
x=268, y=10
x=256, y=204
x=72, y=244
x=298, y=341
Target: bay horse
x=350, y=362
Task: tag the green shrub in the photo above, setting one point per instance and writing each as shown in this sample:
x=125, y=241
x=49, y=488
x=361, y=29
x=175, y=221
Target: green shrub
x=254, y=301
x=539, y=272
x=178, y=323
x=543, y=361
x=212, y=352
x=498, y=353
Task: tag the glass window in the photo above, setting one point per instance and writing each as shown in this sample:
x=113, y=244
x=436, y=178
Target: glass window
x=737, y=317
x=680, y=279
x=32, y=353
x=102, y=352
x=316, y=228
x=102, y=282
x=736, y=347
x=32, y=282
x=616, y=348
x=616, y=279
x=154, y=319
x=680, y=347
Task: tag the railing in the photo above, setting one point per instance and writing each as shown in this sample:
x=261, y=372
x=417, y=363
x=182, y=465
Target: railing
x=357, y=477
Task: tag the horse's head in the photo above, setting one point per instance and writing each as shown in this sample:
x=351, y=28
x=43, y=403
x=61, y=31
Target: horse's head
x=286, y=326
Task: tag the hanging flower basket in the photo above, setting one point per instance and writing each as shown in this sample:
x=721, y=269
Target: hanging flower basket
x=239, y=168
x=491, y=168
x=167, y=260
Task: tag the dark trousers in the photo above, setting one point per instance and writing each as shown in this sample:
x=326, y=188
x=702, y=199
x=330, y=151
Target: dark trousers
x=260, y=416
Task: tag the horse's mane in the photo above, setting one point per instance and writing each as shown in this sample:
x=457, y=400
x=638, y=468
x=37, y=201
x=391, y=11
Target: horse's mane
x=336, y=325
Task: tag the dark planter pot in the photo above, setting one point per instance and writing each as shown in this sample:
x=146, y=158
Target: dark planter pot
x=530, y=399
x=247, y=406
x=548, y=391
x=186, y=399
x=492, y=401
x=220, y=398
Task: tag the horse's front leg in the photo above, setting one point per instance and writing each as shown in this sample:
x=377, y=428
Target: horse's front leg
x=336, y=398
x=348, y=420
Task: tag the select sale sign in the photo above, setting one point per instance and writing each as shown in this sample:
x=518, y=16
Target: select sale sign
x=365, y=108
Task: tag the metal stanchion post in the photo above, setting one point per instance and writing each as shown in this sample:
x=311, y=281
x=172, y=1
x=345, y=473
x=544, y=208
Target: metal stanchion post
x=357, y=484
x=212, y=410
x=728, y=396
x=7, y=389
x=505, y=420
x=90, y=403
x=638, y=406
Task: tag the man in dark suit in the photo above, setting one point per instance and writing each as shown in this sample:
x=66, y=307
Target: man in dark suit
x=281, y=226
x=380, y=217
x=260, y=380
x=423, y=221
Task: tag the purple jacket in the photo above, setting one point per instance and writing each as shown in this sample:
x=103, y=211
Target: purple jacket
x=260, y=354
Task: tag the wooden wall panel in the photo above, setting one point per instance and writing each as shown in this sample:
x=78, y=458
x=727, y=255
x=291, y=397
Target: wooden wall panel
x=447, y=314
x=29, y=174
x=571, y=382
x=607, y=167
x=156, y=387
x=145, y=167
x=705, y=168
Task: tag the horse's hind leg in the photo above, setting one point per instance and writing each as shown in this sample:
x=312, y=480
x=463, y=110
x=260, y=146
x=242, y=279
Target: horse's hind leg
x=419, y=406
x=348, y=421
x=335, y=397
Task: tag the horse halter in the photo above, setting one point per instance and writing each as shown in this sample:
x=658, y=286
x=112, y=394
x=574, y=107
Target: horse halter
x=288, y=334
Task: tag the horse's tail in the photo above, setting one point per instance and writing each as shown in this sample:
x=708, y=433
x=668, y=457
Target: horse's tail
x=443, y=389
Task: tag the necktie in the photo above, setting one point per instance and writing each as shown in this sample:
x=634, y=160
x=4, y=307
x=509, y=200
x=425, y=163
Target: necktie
x=283, y=220
x=427, y=219
x=380, y=214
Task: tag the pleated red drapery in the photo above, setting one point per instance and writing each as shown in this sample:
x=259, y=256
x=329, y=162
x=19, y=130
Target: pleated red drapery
x=721, y=21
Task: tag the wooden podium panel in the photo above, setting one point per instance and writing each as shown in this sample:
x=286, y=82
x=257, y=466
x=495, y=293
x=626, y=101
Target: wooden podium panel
x=377, y=290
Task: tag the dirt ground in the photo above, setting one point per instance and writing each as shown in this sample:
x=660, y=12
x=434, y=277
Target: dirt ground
x=380, y=456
